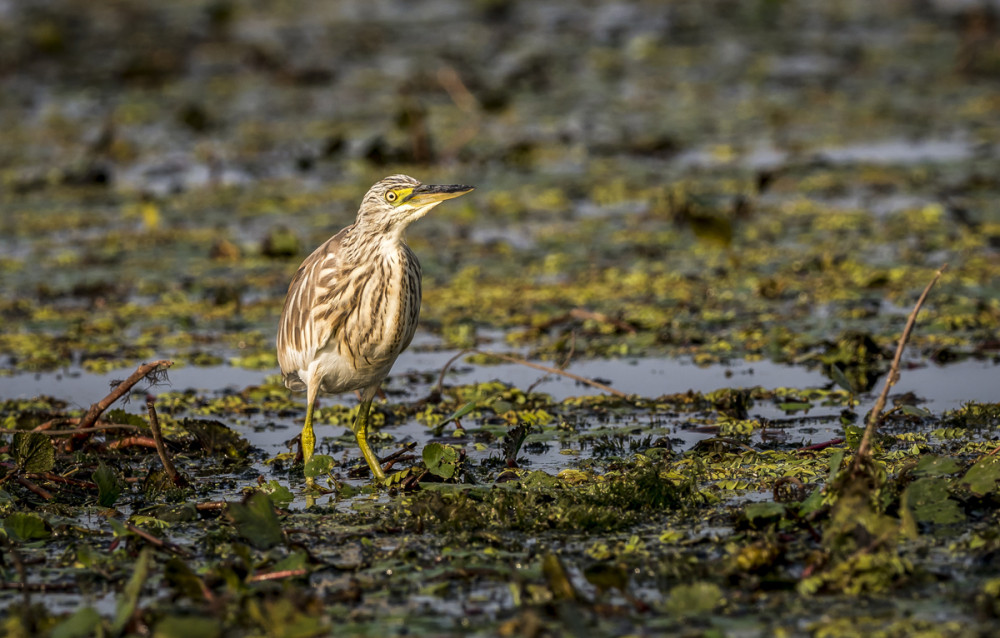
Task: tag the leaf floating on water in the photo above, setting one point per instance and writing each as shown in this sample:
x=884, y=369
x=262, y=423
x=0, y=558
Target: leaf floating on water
x=256, y=521
x=981, y=479
x=912, y=410
x=934, y=465
x=441, y=460
x=317, y=465
x=25, y=528
x=216, y=438
x=694, y=599
x=33, y=452
x=280, y=495
x=928, y=499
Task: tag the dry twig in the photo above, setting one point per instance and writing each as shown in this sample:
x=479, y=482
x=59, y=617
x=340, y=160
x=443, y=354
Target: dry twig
x=530, y=364
x=158, y=542
x=161, y=448
x=132, y=441
x=864, y=449
x=97, y=409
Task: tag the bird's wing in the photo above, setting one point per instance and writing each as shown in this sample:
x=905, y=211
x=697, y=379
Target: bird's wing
x=309, y=318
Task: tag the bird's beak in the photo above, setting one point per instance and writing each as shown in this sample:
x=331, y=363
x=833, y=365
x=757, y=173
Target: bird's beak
x=426, y=194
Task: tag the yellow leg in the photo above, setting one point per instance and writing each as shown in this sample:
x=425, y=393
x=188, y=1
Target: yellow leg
x=308, y=438
x=361, y=434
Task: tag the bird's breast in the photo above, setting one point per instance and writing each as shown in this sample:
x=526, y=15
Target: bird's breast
x=386, y=310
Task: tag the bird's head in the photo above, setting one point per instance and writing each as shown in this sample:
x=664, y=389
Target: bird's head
x=396, y=201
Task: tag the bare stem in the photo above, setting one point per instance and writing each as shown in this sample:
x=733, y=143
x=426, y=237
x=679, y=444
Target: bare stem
x=120, y=390
x=161, y=448
x=864, y=449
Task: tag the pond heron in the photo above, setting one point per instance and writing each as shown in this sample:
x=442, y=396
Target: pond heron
x=352, y=307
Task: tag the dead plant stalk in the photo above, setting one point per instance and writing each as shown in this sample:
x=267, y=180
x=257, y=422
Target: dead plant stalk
x=864, y=449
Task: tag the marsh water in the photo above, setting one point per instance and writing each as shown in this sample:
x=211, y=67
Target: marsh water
x=725, y=211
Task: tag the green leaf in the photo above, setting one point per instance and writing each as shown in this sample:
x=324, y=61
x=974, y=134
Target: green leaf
x=317, y=465
x=441, y=460
x=33, y=452
x=186, y=627
x=295, y=560
x=257, y=522
x=934, y=465
x=981, y=479
x=217, y=439
x=82, y=623
x=794, y=406
x=835, y=461
x=912, y=410
x=124, y=418
x=841, y=379
x=462, y=411
x=129, y=599
x=25, y=528
x=109, y=485
x=183, y=580
x=694, y=599
x=761, y=515
x=928, y=499
x=280, y=495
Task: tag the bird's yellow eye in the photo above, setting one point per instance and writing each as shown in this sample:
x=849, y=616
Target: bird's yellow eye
x=390, y=196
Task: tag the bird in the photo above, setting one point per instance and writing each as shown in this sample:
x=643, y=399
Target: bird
x=352, y=307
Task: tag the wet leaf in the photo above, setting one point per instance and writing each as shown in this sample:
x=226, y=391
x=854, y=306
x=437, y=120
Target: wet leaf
x=82, y=623
x=280, y=495
x=217, y=439
x=25, y=528
x=912, y=410
x=441, y=460
x=760, y=515
x=928, y=499
x=694, y=599
x=256, y=521
x=981, y=479
x=109, y=485
x=186, y=627
x=841, y=379
x=794, y=406
x=182, y=579
x=33, y=452
x=462, y=411
x=318, y=465
x=933, y=465
x=557, y=578
x=129, y=599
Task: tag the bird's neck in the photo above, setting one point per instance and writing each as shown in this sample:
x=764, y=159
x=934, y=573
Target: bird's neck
x=362, y=240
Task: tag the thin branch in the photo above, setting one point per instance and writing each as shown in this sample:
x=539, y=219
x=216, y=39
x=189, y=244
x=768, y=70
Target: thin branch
x=120, y=390
x=130, y=441
x=211, y=506
x=523, y=362
x=551, y=370
x=447, y=366
x=820, y=446
x=864, y=449
x=161, y=448
x=95, y=428
x=285, y=573
x=158, y=542
x=34, y=488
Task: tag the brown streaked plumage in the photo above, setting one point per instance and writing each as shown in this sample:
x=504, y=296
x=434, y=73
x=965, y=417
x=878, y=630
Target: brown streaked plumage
x=353, y=305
